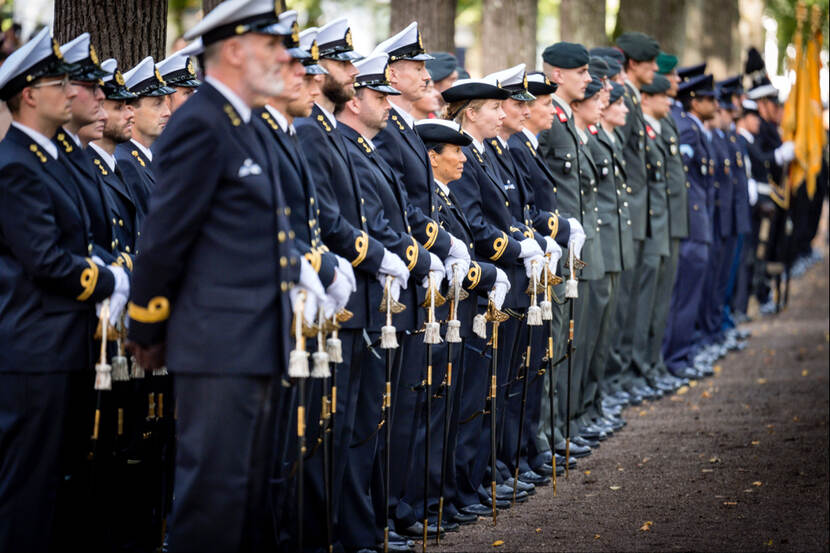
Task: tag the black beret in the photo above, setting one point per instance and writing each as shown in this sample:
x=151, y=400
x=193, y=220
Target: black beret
x=441, y=66
x=617, y=92
x=659, y=85
x=469, y=89
x=593, y=87
x=638, y=46
x=598, y=67
x=614, y=67
x=609, y=52
x=439, y=131
x=566, y=55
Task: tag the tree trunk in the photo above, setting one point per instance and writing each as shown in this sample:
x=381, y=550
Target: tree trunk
x=436, y=21
x=508, y=34
x=721, y=43
x=665, y=20
x=126, y=31
x=583, y=21
x=208, y=5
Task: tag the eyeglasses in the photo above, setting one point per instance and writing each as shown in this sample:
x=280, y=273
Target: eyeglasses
x=63, y=83
x=95, y=85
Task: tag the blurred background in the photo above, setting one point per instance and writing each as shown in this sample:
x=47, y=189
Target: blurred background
x=485, y=35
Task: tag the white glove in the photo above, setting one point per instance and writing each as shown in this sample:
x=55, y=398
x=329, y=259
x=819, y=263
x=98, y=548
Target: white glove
x=534, y=265
x=315, y=293
x=498, y=293
x=501, y=278
x=346, y=268
x=555, y=256
x=577, y=237
x=393, y=265
x=436, y=271
x=337, y=294
x=458, y=255
x=785, y=153
x=752, y=191
x=530, y=248
x=120, y=293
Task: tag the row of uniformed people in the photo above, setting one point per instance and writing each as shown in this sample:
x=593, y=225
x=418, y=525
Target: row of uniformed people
x=296, y=179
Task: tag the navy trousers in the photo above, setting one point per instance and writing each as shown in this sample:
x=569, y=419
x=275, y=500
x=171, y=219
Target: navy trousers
x=678, y=342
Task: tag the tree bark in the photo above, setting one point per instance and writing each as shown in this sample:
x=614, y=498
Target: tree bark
x=508, y=34
x=436, y=21
x=583, y=21
x=126, y=31
x=665, y=20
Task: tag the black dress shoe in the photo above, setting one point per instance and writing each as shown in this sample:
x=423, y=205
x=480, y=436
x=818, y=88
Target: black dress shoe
x=396, y=546
x=581, y=440
x=462, y=518
x=560, y=459
x=416, y=530
x=531, y=477
x=448, y=526
x=544, y=469
x=685, y=372
x=529, y=489
x=503, y=503
x=577, y=451
x=477, y=510
x=394, y=536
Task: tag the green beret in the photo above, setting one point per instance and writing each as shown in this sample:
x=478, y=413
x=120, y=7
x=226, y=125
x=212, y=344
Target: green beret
x=566, y=55
x=659, y=85
x=598, y=67
x=666, y=63
x=441, y=65
x=593, y=87
x=617, y=92
x=614, y=67
x=638, y=46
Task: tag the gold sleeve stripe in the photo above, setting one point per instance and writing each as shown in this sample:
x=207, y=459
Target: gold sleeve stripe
x=361, y=245
x=412, y=255
x=528, y=232
x=124, y=260
x=474, y=275
x=315, y=258
x=157, y=310
x=499, y=245
x=432, y=234
x=89, y=280
x=553, y=225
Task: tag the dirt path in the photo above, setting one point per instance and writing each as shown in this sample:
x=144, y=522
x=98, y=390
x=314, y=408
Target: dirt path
x=738, y=462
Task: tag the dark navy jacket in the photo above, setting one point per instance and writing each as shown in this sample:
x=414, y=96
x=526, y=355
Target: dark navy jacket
x=404, y=151
x=388, y=220
x=138, y=169
x=48, y=283
x=541, y=189
x=217, y=254
x=121, y=204
x=742, y=209
x=342, y=218
x=724, y=183
x=695, y=149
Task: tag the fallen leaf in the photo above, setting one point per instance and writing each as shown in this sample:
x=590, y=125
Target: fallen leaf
x=717, y=369
x=675, y=398
x=615, y=488
x=805, y=372
x=756, y=442
x=707, y=470
x=693, y=383
x=770, y=426
x=730, y=503
x=757, y=483
x=498, y=543
x=747, y=491
x=596, y=536
x=714, y=460
x=586, y=472
x=796, y=419
x=769, y=543
x=746, y=406
x=646, y=526
x=538, y=530
x=761, y=381
x=620, y=469
x=706, y=394
x=645, y=460
x=683, y=389
x=643, y=413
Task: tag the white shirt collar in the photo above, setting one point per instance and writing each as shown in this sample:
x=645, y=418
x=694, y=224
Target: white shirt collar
x=478, y=145
x=746, y=134
x=368, y=141
x=74, y=137
x=609, y=134
x=532, y=137
x=706, y=132
x=282, y=121
x=582, y=136
x=144, y=150
x=406, y=117
x=633, y=87
x=41, y=140
x=108, y=159
x=655, y=124
x=329, y=116
x=563, y=104
x=444, y=188
x=503, y=142
x=241, y=107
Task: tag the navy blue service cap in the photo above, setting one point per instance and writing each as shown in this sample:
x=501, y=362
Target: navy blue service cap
x=617, y=92
x=80, y=53
x=435, y=132
x=441, y=65
x=732, y=85
x=374, y=74
x=566, y=55
x=474, y=89
x=695, y=87
x=686, y=73
x=659, y=85
x=38, y=58
x=405, y=45
x=538, y=84
x=238, y=17
x=114, y=85
x=638, y=46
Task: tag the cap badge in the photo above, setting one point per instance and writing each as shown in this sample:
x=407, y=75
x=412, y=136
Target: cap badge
x=315, y=51
x=158, y=77
x=189, y=67
x=92, y=55
x=119, y=78
x=387, y=73
x=420, y=41
x=295, y=33
x=348, y=38
x=56, y=50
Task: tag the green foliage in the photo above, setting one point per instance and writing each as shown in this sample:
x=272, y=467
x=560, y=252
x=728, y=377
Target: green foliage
x=783, y=11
